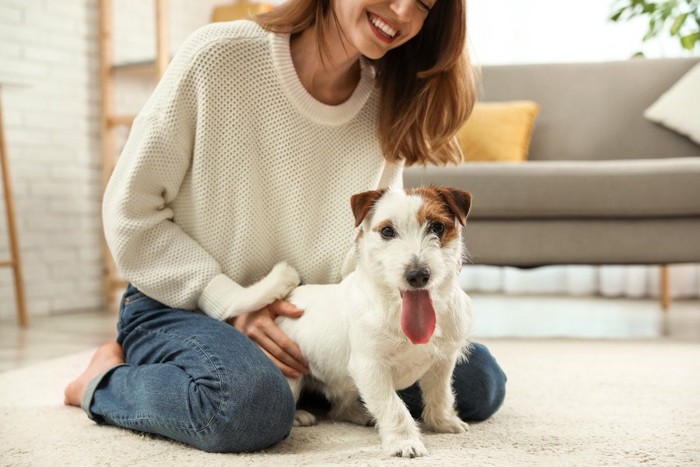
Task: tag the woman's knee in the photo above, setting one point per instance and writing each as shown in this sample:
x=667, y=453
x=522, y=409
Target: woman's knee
x=480, y=385
x=258, y=412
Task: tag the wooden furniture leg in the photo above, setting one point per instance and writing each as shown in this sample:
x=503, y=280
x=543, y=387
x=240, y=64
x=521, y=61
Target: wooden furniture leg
x=14, y=261
x=665, y=288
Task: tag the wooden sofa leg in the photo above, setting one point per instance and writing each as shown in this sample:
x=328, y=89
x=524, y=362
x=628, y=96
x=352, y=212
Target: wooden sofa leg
x=665, y=291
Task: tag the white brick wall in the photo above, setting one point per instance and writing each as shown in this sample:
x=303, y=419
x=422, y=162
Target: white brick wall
x=51, y=126
x=52, y=129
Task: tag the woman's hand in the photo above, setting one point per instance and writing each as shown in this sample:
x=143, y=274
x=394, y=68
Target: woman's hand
x=261, y=328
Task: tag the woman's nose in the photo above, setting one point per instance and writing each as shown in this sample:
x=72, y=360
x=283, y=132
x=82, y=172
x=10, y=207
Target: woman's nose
x=403, y=9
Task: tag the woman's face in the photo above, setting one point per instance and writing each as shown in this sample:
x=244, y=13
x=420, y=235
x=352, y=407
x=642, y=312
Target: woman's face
x=373, y=27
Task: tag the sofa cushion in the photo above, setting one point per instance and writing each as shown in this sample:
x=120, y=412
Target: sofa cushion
x=573, y=189
x=594, y=110
x=498, y=131
x=679, y=107
x=528, y=242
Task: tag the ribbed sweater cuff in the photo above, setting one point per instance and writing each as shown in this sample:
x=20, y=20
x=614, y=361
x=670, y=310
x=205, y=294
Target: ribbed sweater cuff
x=218, y=297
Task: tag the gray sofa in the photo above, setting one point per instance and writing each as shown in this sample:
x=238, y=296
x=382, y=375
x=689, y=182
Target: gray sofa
x=602, y=185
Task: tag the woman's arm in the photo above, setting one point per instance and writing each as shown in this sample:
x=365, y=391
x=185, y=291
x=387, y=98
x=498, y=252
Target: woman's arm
x=151, y=250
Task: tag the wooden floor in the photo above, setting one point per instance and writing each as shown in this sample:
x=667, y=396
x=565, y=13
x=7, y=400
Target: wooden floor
x=494, y=316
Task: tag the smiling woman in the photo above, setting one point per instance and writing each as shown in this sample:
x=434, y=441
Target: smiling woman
x=253, y=123
x=419, y=52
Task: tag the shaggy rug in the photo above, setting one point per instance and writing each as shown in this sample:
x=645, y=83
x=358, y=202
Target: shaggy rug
x=569, y=402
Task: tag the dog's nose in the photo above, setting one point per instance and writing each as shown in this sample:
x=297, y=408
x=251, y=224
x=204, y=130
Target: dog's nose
x=418, y=277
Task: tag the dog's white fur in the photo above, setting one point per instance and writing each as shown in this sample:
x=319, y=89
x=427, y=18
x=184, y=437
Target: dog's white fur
x=351, y=335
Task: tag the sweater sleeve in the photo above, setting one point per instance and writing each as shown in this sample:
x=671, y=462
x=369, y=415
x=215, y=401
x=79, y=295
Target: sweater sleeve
x=149, y=248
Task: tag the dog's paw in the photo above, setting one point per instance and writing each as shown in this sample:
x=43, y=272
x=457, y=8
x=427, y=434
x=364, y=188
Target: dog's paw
x=304, y=418
x=446, y=425
x=286, y=277
x=405, y=447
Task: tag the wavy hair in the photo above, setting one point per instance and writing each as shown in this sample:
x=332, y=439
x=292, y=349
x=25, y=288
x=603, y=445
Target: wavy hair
x=427, y=85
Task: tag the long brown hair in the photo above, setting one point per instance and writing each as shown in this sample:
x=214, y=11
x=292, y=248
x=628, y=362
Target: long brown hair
x=427, y=85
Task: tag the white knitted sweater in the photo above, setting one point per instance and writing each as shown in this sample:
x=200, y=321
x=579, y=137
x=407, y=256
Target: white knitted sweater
x=232, y=166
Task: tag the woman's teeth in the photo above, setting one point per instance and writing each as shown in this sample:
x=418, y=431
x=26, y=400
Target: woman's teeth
x=382, y=26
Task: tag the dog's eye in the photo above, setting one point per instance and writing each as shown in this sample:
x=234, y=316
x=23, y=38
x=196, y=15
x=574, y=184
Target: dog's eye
x=437, y=228
x=388, y=232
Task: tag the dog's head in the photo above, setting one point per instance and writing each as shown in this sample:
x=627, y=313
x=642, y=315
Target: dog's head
x=411, y=241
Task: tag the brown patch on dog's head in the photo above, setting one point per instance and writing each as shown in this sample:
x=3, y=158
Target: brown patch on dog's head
x=382, y=225
x=362, y=203
x=443, y=205
x=459, y=201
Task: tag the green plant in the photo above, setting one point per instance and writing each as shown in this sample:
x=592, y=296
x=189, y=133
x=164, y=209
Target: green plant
x=679, y=18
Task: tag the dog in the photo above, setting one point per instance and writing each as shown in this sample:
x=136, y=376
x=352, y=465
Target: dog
x=399, y=317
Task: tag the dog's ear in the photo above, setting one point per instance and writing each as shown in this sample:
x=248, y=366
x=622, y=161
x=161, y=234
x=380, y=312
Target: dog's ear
x=459, y=202
x=362, y=203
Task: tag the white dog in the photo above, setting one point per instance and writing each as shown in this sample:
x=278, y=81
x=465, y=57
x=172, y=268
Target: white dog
x=398, y=318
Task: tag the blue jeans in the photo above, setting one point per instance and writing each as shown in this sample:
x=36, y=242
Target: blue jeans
x=198, y=380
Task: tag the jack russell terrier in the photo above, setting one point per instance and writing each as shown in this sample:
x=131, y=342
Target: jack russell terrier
x=398, y=318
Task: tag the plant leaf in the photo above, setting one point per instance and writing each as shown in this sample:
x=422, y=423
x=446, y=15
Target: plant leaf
x=678, y=23
x=653, y=31
x=666, y=9
x=688, y=42
x=649, y=8
x=616, y=16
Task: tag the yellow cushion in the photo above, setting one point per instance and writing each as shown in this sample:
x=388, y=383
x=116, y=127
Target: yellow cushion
x=240, y=10
x=498, y=131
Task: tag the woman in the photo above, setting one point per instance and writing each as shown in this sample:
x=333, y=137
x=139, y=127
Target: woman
x=247, y=154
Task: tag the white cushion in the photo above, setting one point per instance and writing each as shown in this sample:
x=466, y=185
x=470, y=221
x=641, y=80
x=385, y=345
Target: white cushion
x=679, y=107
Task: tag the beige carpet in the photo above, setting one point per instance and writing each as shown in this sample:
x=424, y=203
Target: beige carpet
x=569, y=403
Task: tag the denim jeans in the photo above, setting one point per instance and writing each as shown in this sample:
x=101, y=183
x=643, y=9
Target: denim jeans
x=198, y=380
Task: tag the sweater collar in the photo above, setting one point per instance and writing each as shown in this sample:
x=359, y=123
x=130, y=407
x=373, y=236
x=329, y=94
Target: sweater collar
x=305, y=103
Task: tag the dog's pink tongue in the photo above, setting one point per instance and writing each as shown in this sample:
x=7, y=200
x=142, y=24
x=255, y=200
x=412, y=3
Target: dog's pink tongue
x=418, y=316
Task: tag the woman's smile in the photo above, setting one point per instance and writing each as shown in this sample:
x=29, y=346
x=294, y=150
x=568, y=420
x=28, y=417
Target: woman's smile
x=382, y=28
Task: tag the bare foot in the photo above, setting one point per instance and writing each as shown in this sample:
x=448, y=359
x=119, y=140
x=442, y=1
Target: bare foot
x=107, y=356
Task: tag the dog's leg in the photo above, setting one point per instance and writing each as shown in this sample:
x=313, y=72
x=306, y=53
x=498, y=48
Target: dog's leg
x=439, y=414
x=278, y=283
x=398, y=431
x=350, y=409
x=304, y=418
x=301, y=417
